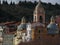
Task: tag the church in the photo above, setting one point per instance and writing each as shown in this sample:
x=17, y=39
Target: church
x=32, y=33
x=37, y=30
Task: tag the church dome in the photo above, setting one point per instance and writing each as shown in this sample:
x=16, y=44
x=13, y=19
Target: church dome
x=52, y=28
x=22, y=26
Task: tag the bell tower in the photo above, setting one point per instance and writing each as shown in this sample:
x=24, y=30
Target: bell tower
x=39, y=13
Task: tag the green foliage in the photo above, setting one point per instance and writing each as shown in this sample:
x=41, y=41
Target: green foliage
x=14, y=12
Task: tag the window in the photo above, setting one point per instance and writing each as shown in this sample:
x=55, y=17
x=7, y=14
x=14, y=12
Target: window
x=41, y=19
x=39, y=37
x=35, y=18
x=39, y=31
x=59, y=32
x=52, y=35
x=15, y=35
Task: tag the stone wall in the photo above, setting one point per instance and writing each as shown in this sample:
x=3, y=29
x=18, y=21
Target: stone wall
x=45, y=40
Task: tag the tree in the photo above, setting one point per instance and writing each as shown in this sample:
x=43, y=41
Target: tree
x=5, y=2
x=11, y=3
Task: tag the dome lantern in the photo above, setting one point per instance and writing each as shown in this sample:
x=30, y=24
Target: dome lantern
x=52, y=20
x=23, y=20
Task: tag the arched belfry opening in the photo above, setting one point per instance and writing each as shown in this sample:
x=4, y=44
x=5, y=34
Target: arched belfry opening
x=39, y=13
x=41, y=19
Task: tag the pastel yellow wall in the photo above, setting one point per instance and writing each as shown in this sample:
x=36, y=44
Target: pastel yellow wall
x=33, y=34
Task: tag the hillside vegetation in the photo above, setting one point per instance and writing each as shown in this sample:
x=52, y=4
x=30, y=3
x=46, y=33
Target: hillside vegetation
x=14, y=12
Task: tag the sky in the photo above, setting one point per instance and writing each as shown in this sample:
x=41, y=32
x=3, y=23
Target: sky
x=47, y=1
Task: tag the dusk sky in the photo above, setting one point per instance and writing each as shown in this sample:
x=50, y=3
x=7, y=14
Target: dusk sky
x=51, y=1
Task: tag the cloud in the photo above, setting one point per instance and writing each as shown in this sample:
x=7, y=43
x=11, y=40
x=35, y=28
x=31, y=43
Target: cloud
x=47, y=1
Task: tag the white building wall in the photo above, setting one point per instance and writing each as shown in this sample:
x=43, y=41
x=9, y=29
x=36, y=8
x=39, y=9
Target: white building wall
x=29, y=31
x=24, y=37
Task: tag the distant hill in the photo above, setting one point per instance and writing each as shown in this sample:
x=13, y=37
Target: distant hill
x=14, y=12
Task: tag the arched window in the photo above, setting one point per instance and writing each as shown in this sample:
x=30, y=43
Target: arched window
x=41, y=19
x=39, y=31
x=35, y=18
